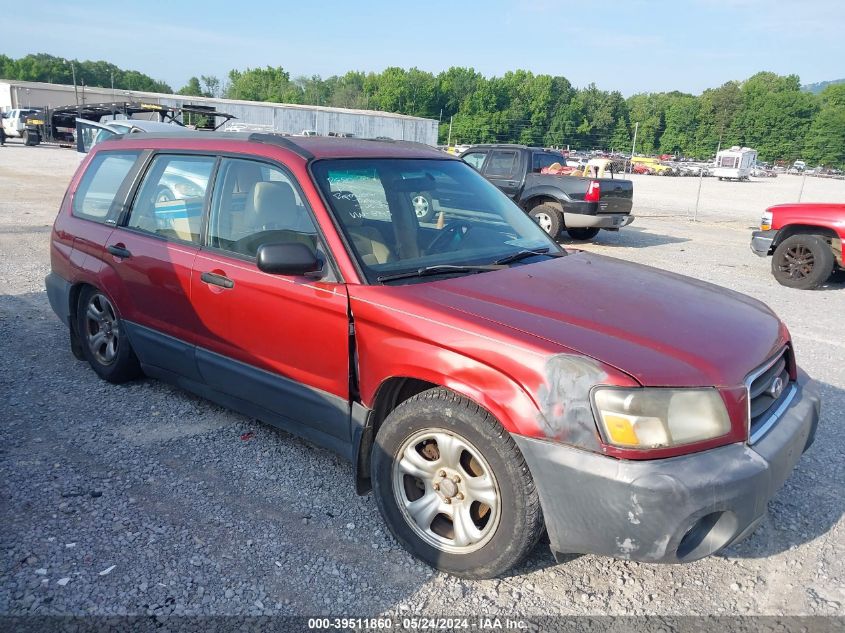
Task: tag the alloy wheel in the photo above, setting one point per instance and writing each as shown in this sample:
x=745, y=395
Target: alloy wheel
x=446, y=491
x=102, y=329
x=797, y=262
x=421, y=205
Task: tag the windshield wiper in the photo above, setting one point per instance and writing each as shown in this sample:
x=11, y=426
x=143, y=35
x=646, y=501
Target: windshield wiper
x=515, y=257
x=441, y=269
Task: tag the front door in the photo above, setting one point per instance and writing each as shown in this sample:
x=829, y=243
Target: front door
x=277, y=343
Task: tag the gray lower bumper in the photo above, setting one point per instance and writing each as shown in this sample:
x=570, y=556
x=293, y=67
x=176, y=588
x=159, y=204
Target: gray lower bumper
x=58, y=293
x=670, y=510
x=608, y=221
x=761, y=242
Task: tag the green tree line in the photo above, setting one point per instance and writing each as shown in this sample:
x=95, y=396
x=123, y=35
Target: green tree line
x=768, y=112
x=57, y=70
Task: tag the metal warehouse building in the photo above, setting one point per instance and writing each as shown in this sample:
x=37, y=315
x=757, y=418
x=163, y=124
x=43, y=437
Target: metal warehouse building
x=254, y=115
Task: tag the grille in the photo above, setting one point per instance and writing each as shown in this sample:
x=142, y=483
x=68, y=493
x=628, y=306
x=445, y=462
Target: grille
x=770, y=391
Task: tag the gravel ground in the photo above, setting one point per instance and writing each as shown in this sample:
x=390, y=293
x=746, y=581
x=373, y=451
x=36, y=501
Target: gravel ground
x=142, y=499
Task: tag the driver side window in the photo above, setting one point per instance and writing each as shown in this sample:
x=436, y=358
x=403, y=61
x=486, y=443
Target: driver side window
x=255, y=203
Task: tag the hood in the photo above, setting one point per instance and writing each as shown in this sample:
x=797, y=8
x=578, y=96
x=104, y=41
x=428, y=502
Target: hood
x=661, y=328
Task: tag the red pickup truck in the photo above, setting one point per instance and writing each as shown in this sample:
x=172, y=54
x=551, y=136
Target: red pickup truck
x=804, y=241
x=486, y=384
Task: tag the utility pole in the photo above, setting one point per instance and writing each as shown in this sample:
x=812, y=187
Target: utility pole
x=634, y=146
x=449, y=139
x=112, y=85
x=75, y=92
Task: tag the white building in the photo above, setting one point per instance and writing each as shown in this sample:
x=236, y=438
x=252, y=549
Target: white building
x=251, y=115
x=735, y=163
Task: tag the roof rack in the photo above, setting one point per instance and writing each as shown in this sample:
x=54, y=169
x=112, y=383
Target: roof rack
x=282, y=141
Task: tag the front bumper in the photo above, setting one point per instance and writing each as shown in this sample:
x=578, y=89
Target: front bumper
x=670, y=510
x=761, y=242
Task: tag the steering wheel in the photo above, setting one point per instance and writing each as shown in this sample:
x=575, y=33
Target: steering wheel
x=456, y=229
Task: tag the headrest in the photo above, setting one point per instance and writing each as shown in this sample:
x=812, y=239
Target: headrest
x=244, y=176
x=272, y=197
x=348, y=208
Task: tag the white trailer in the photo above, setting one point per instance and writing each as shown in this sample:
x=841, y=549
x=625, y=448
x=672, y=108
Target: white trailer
x=735, y=163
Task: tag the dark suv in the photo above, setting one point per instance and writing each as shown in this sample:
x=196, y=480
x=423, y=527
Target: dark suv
x=485, y=383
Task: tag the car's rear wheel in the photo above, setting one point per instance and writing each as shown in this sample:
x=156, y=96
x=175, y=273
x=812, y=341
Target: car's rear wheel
x=586, y=233
x=548, y=217
x=105, y=344
x=453, y=487
x=802, y=261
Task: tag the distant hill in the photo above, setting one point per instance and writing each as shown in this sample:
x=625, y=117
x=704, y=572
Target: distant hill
x=816, y=88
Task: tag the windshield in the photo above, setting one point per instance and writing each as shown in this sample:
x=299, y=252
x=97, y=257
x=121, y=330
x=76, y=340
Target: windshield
x=404, y=215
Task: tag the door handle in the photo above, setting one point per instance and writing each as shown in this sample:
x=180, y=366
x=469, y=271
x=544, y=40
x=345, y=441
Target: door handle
x=217, y=280
x=119, y=250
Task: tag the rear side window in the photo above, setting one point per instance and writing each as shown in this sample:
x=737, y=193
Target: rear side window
x=100, y=184
x=475, y=159
x=501, y=164
x=543, y=161
x=171, y=199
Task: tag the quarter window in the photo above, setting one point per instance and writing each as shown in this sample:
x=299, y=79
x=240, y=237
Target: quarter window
x=475, y=159
x=254, y=204
x=100, y=184
x=543, y=161
x=171, y=199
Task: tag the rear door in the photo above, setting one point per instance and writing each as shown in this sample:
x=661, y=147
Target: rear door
x=503, y=170
x=151, y=254
x=277, y=343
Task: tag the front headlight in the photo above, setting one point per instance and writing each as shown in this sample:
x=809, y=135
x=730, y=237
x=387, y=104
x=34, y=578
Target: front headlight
x=657, y=417
x=766, y=221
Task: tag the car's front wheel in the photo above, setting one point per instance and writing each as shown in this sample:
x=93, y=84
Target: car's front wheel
x=453, y=487
x=105, y=344
x=803, y=261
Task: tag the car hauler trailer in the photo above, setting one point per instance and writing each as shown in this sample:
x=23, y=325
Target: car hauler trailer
x=59, y=125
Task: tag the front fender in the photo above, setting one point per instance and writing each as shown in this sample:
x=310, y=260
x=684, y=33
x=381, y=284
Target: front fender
x=506, y=400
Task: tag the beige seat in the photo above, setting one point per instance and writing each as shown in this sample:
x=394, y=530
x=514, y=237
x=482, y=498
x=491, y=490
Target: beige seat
x=270, y=206
x=368, y=242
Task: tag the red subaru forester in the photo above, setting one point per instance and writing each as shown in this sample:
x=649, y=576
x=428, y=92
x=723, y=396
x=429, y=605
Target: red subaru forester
x=485, y=383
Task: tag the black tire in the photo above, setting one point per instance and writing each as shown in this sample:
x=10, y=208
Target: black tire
x=423, y=206
x=548, y=217
x=518, y=519
x=115, y=364
x=803, y=261
x=586, y=233
x=28, y=138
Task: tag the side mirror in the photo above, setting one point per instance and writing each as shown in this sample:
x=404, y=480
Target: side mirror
x=292, y=258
